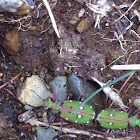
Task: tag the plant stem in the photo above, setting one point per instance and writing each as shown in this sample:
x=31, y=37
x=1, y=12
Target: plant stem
x=107, y=85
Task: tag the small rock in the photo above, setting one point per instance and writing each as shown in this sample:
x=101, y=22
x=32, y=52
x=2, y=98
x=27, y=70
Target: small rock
x=27, y=107
x=81, y=12
x=33, y=129
x=33, y=91
x=69, y=4
x=138, y=30
x=11, y=125
x=21, y=79
x=48, y=78
x=44, y=133
x=137, y=102
x=24, y=9
x=26, y=116
x=78, y=88
x=1, y=74
x=83, y=25
x=74, y=19
x=55, y=139
x=44, y=115
x=11, y=42
x=77, y=17
x=33, y=28
x=42, y=73
x=59, y=87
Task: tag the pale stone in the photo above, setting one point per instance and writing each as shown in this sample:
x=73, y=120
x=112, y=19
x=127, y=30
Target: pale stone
x=83, y=25
x=33, y=91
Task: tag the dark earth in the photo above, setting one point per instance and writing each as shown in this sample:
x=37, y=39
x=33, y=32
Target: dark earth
x=43, y=53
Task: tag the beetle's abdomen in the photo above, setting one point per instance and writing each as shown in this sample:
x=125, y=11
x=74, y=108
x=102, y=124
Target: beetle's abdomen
x=84, y=115
x=113, y=119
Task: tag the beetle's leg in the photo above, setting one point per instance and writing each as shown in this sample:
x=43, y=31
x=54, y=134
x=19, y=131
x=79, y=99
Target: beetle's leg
x=67, y=96
x=81, y=126
x=54, y=96
x=129, y=109
x=53, y=117
x=79, y=69
x=98, y=132
x=126, y=133
x=134, y=133
x=136, y=112
x=61, y=123
x=109, y=132
x=80, y=98
x=120, y=109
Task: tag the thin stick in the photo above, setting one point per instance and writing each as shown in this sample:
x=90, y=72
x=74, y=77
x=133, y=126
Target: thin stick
x=132, y=31
x=126, y=67
x=110, y=39
x=125, y=12
x=125, y=82
x=51, y=17
x=2, y=86
x=135, y=51
x=116, y=59
x=66, y=130
x=77, y=131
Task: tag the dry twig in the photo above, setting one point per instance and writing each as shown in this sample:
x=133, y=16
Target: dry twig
x=11, y=81
x=125, y=12
x=34, y=121
x=51, y=17
x=21, y=22
x=125, y=82
x=135, y=51
x=126, y=67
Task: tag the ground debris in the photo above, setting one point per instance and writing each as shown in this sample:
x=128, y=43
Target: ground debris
x=87, y=54
x=74, y=54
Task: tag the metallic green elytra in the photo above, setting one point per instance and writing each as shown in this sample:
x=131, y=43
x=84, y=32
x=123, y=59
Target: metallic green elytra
x=108, y=118
x=113, y=119
x=134, y=121
x=55, y=106
x=84, y=115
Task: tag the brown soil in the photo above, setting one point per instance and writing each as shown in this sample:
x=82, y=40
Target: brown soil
x=40, y=52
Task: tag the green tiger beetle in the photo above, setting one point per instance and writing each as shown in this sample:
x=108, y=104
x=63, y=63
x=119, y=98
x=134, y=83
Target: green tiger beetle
x=108, y=118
